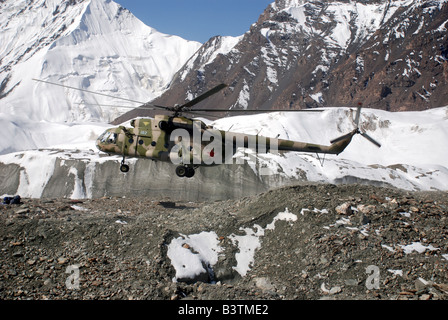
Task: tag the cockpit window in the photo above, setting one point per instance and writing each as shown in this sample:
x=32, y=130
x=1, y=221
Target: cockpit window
x=113, y=138
x=109, y=138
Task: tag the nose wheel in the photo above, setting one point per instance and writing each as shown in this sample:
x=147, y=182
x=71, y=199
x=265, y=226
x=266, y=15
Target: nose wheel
x=124, y=167
x=184, y=171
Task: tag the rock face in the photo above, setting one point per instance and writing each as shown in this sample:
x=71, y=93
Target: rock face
x=403, y=66
x=389, y=55
x=66, y=176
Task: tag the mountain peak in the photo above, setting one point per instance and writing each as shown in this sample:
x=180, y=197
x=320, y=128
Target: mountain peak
x=88, y=44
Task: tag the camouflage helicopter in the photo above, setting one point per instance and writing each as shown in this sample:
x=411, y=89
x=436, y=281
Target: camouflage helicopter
x=190, y=143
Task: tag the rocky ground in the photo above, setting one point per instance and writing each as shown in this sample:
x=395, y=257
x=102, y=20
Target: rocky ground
x=348, y=242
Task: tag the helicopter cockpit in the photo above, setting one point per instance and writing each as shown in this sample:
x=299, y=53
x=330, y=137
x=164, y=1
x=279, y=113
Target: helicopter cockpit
x=107, y=138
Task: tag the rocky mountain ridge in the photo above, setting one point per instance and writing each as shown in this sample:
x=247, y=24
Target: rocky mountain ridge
x=389, y=55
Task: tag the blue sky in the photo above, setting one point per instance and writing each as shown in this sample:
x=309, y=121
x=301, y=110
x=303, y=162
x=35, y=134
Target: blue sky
x=198, y=20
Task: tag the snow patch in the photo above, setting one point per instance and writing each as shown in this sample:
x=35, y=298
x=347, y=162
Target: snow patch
x=417, y=246
x=190, y=255
x=251, y=241
x=243, y=98
x=317, y=97
x=396, y=272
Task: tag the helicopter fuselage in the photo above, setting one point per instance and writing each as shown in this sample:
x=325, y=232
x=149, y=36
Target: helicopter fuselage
x=191, y=143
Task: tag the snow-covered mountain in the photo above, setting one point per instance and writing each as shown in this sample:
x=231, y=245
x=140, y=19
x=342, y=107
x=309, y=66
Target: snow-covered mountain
x=93, y=45
x=287, y=57
x=388, y=54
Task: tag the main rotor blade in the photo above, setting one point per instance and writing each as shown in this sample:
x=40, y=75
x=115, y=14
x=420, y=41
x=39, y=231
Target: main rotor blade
x=203, y=96
x=88, y=91
x=258, y=111
x=365, y=135
x=117, y=106
x=142, y=104
x=199, y=114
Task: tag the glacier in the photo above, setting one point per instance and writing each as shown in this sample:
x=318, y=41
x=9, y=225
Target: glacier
x=413, y=157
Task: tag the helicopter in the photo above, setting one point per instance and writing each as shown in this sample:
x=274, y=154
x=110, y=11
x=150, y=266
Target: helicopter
x=190, y=143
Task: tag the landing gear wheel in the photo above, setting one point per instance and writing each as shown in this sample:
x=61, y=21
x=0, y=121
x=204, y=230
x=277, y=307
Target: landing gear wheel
x=124, y=168
x=190, y=172
x=181, y=171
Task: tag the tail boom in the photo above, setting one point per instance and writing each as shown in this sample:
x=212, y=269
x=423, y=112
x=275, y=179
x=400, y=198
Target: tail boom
x=337, y=146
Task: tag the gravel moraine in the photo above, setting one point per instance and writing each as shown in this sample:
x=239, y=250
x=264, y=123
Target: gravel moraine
x=345, y=242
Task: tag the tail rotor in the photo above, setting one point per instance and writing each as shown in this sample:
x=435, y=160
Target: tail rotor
x=357, y=130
